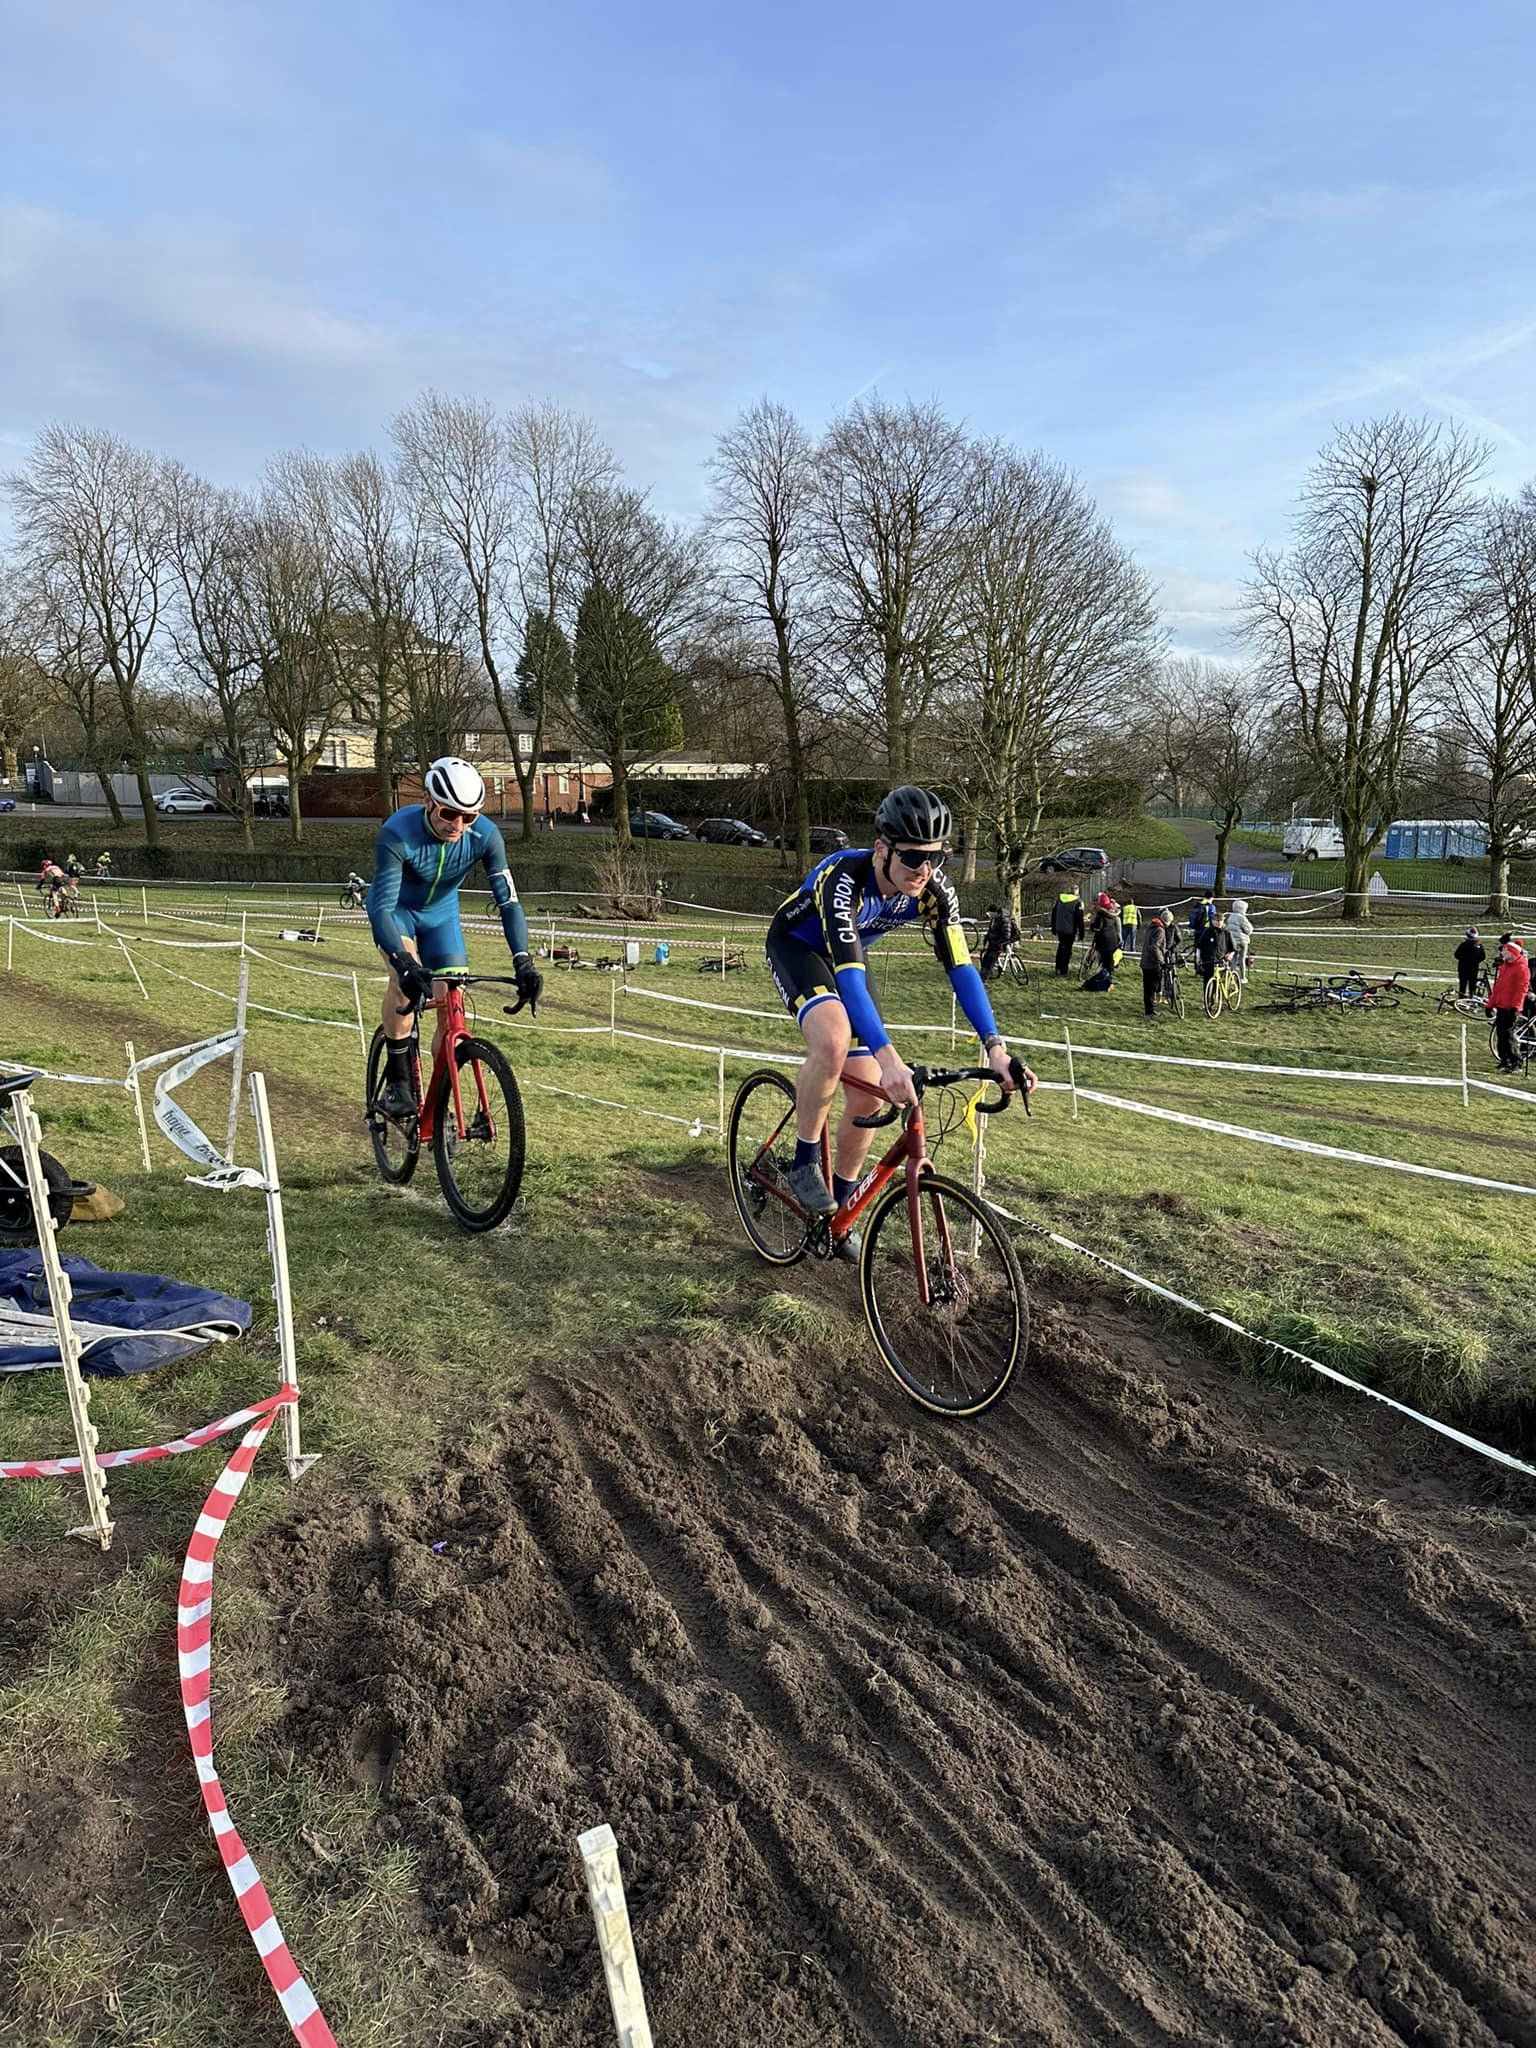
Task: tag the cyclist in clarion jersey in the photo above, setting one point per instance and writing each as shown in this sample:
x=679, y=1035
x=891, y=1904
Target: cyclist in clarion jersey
x=816, y=955
x=421, y=857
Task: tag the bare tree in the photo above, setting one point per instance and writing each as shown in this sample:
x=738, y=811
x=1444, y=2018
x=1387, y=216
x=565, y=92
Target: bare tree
x=1490, y=687
x=18, y=674
x=1055, y=627
x=763, y=522
x=557, y=460
x=442, y=681
x=377, y=536
x=70, y=671
x=891, y=545
x=295, y=589
x=455, y=457
x=1364, y=610
x=643, y=582
x=213, y=625
x=1236, y=720
x=91, y=513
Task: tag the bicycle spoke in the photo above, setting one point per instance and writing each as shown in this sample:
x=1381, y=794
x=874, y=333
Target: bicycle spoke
x=957, y=1350
x=477, y=1138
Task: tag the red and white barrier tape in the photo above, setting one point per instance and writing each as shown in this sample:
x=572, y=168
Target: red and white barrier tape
x=62, y=1468
x=194, y=1626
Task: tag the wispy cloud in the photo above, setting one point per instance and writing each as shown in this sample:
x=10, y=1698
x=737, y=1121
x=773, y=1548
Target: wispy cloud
x=555, y=180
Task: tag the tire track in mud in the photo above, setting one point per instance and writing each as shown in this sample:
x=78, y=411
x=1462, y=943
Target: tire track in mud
x=1102, y=1720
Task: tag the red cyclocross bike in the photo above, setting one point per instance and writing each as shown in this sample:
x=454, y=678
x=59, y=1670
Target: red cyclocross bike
x=939, y=1280
x=470, y=1112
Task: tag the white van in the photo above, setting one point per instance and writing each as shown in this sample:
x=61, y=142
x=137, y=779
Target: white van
x=1313, y=839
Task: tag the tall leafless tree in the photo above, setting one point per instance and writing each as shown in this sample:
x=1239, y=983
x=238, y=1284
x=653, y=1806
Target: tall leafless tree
x=643, y=586
x=1233, y=743
x=296, y=588
x=1490, y=687
x=442, y=681
x=1359, y=616
x=557, y=460
x=891, y=546
x=764, y=529
x=377, y=534
x=91, y=515
x=213, y=623
x=71, y=672
x=1054, y=628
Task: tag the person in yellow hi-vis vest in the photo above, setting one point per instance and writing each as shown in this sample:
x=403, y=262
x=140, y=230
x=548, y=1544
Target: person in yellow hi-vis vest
x=1130, y=926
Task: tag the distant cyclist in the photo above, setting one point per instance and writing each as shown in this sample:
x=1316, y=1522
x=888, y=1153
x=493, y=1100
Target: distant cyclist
x=421, y=857
x=72, y=867
x=103, y=867
x=356, y=887
x=816, y=954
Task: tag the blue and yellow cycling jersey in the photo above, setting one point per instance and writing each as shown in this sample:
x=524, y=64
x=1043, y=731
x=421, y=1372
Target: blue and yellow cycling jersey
x=838, y=911
x=415, y=889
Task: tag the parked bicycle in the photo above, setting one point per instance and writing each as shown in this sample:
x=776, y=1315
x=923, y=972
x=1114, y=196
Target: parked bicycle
x=1169, y=991
x=938, y=1277
x=1523, y=1040
x=1222, y=991
x=470, y=1112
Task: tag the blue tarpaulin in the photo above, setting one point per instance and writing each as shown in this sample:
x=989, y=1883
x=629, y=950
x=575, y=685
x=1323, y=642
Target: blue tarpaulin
x=126, y=1322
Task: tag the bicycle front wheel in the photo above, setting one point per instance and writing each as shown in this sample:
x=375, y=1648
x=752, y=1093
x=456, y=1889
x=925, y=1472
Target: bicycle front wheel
x=1210, y=996
x=396, y=1147
x=760, y=1146
x=1173, y=994
x=956, y=1351
x=480, y=1160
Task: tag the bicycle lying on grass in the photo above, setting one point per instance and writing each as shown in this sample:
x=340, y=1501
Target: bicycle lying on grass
x=470, y=1112
x=938, y=1278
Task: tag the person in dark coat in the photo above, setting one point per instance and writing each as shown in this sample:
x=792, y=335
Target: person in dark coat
x=1213, y=944
x=1159, y=946
x=1470, y=955
x=1105, y=937
x=1067, y=924
x=1001, y=933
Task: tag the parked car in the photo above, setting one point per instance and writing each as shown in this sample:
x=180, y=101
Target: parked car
x=7, y=803
x=1075, y=860
x=656, y=825
x=824, y=839
x=172, y=803
x=730, y=832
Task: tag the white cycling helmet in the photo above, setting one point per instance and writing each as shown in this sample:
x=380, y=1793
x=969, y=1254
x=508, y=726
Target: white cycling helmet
x=456, y=783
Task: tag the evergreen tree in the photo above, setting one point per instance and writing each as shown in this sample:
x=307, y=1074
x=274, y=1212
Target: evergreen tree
x=544, y=671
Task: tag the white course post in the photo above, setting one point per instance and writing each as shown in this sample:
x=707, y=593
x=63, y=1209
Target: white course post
x=144, y=904
x=319, y=919
x=978, y=1180
x=1066, y=1032
x=10, y=939
x=237, y=1064
x=21, y=900
x=242, y=935
x=720, y=1091
x=138, y=1103
x=613, y=1013
x=605, y=1891
x=99, y=1528
x=143, y=991
x=1466, y=1092
x=96, y=907
x=277, y=1244
x=357, y=1004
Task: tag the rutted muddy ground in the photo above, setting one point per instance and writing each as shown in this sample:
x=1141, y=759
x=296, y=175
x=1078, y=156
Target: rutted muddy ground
x=1154, y=1708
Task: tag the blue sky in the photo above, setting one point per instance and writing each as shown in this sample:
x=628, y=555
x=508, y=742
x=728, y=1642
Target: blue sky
x=1170, y=243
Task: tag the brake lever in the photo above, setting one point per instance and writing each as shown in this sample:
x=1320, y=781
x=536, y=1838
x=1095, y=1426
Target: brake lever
x=530, y=1002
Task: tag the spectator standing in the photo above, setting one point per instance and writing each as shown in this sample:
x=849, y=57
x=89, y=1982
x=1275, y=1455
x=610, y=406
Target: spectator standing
x=1213, y=944
x=1130, y=925
x=1240, y=932
x=1157, y=953
x=1470, y=955
x=1506, y=998
x=1067, y=924
x=1204, y=913
x=1106, y=946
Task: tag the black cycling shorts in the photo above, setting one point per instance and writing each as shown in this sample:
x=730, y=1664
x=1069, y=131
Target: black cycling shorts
x=802, y=976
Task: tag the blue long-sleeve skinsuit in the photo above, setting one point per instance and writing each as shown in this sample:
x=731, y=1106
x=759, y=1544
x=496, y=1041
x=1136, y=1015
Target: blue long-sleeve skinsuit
x=415, y=889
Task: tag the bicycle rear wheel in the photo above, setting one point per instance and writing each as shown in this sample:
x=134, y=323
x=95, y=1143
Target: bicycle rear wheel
x=396, y=1147
x=481, y=1165
x=1235, y=991
x=1173, y=995
x=760, y=1145
x=956, y=1352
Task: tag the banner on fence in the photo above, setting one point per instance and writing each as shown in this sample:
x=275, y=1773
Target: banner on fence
x=182, y=1062
x=1201, y=874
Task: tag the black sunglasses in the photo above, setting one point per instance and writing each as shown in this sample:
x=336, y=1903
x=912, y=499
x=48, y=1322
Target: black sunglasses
x=915, y=857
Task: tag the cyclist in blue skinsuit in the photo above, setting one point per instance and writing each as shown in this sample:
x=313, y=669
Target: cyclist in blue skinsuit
x=420, y=858
x=816, y=945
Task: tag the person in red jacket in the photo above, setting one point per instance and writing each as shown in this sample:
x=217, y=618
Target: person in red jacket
x=1506, y=998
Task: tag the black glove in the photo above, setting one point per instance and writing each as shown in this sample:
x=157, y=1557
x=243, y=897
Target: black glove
x=530, y=983
x=415, y=982
x=1023, y=1080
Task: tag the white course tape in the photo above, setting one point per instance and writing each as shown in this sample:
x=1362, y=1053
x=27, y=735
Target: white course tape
x=1205, y=1123
x=76, y=1080
x=1212, y=1315
x=182, y=1062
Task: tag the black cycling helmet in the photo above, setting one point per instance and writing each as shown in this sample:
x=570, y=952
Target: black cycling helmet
x=912, y=817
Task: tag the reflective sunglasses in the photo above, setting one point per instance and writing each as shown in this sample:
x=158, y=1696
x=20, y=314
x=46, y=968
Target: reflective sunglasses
x=452, y=817
x=915, y=857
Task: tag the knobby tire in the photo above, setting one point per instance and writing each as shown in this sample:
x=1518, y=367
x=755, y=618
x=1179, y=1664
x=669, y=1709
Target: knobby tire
x=484, y=1204
x=396, y=1147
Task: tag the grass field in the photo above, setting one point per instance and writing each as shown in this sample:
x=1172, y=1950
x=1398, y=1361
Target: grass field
x=409, y=1332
